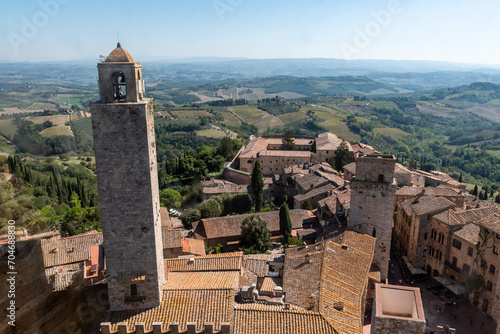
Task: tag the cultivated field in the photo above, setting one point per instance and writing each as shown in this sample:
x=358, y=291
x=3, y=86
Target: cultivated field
x=58, y=130
x=56, y=119
x=391, y=132
x=216, y=132
x=192, y=113
x=7, y=128
x=5, y=148
x=261, y=119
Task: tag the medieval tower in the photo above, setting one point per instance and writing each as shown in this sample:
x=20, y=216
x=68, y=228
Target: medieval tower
x=373, y=193
x=124, y=144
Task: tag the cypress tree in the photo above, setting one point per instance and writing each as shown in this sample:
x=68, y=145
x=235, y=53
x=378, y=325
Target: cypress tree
x=257, y=185
x=285, y=223
x=474, y=192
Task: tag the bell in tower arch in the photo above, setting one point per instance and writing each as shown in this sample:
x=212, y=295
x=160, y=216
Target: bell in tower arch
x=120, y=78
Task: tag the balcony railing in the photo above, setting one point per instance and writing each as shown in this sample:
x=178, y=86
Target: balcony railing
x=452, y=267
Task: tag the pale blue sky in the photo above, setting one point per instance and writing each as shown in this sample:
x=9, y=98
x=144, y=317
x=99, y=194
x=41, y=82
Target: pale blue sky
x=448, y=30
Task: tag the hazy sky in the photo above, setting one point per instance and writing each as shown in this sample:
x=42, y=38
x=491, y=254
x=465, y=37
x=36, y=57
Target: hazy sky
x=448, y=30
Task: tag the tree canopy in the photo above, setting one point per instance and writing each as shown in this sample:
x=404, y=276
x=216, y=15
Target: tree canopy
x=255, y=235
x=285, y=223
x=170, y=198
x=288, y=143
x=341, y=156
x=257, y=185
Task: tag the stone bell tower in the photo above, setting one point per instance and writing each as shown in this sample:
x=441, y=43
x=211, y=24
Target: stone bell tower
x=124, y=144
x=373, y=193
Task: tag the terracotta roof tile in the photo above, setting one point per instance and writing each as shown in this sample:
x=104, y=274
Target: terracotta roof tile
x=491, y=222
x=171, y=238
x=274, y=319
x=193, y=246
x=55, y=250
x=439, y=203
x=61, y=277
x=466, y=216
x=230, y=226
x=343, y=280
x=201, y=280
x=258, y=263
x=315, y=192
x=468, y=232
x=181, y=306
x=225, y=261
x=119, y=55
x=269, y=283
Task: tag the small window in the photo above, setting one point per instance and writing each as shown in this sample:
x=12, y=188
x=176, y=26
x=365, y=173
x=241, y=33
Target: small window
x=489, y=285
x=483, y=264
x=457, y=244
x=425, y=236
x=495, y=250
x=466, y=269
x=249, y=161
x=470, y=251
x=381, y=178
x=339, y=306
x=133, y=289
x=374, y=232
x=492, y=269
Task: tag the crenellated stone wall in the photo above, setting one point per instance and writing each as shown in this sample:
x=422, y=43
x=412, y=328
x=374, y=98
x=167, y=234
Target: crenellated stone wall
x=158, y=328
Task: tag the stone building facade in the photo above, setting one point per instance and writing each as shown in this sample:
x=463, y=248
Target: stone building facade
x=124, y=144
x=372, y=204
x=413, y=224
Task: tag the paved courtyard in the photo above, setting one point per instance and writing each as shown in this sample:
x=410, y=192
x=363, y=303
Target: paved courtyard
x=464, y=317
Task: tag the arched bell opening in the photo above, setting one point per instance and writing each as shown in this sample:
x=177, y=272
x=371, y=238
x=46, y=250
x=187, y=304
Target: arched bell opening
x=119, y=87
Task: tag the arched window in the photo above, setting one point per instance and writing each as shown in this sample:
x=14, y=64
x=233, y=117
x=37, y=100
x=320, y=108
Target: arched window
x=119, y=87
x=249, y=161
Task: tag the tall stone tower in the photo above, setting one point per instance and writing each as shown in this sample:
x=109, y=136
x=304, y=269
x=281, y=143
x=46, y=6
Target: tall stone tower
x=124, y=144
x=373, y=193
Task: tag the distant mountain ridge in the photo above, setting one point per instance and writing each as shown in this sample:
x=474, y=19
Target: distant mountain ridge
x=410, y=75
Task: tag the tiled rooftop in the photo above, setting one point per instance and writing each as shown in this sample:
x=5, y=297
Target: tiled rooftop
x=269, y=283
x=492, y=223
x=468, y=232
x=201, y=280
x=466, y=216
x=230, y=226
x=278, y=153
x=213, y=262
x=311, y=181
x=439, y=203
x=58, y=251
x=363, y=148
x=343, y=280
x=427, y=191
x=61, y=277
x=171, y=238
x=181, y=306
x=268, y=319
x=315, y=192
x=258, y=263
x=351, y=168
